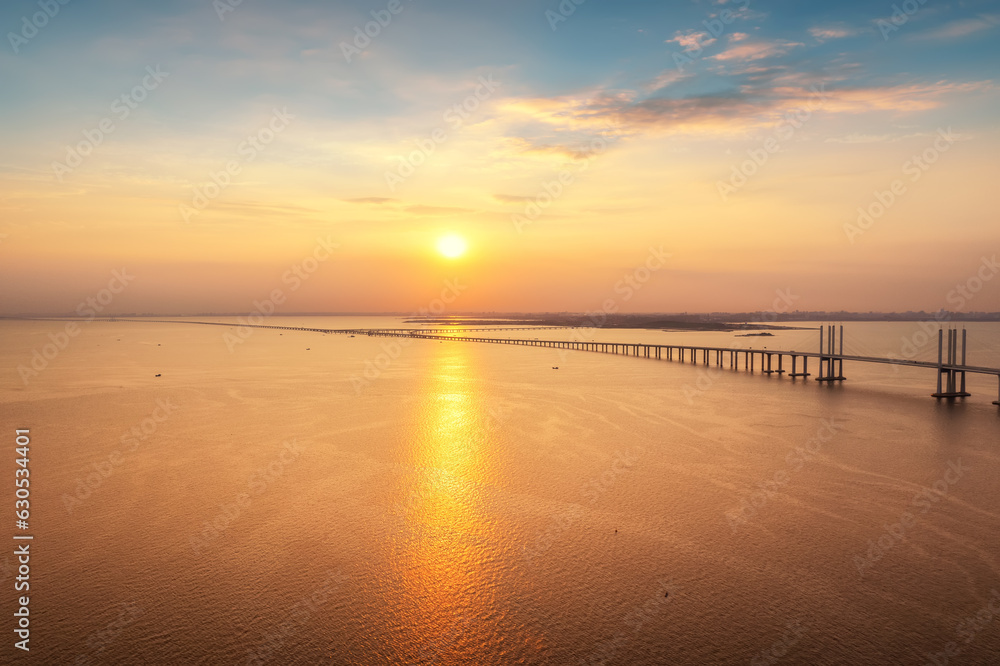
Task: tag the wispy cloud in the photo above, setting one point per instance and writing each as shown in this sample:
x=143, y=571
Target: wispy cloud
x=370, y=200
x=512, y=198
x=826, y=33
x=436, y=210
x=961, y=28
x=749, y=51
x=692, y=40
x=664, y=79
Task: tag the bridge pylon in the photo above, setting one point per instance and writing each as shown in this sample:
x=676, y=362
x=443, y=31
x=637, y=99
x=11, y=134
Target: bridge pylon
x=954, y=384
x=831, y=368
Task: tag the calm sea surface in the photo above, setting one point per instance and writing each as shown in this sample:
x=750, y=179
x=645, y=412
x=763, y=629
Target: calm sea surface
x=300, y=498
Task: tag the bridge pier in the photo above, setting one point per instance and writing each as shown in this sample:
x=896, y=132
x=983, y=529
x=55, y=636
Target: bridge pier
x=805, y=367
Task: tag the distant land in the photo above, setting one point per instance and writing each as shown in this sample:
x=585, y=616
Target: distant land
x=711, y=321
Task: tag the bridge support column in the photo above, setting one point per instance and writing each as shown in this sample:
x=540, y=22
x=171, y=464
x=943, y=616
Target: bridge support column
x=768, y=370
x=805, y=367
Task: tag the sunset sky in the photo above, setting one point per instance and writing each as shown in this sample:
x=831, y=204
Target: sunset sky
x=461, y=118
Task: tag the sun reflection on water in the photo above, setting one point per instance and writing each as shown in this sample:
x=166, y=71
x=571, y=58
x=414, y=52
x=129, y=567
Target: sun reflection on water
x=444, y=556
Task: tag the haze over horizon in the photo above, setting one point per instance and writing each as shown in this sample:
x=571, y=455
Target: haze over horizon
x=713, y=162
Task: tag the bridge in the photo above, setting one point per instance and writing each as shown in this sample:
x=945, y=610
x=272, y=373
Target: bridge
x=951, y=365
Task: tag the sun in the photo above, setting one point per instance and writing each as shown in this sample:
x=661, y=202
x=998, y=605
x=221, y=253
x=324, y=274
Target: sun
x=452, y=246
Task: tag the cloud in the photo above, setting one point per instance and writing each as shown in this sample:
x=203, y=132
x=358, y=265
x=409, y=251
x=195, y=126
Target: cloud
x=436, y=210
x=745, y=107
x=738, y=37
x=512, y=198
x=692, y=41
x=756, y=50
x=961, y=28
x=823, y=34
x=901, y=99
x=874, y=138
x=664, y=79
x=370, y=200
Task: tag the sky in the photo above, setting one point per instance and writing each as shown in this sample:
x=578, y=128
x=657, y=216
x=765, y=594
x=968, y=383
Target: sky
x=191, y=156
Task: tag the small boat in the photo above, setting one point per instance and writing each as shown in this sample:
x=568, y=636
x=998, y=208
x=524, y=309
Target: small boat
x=555, y=367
